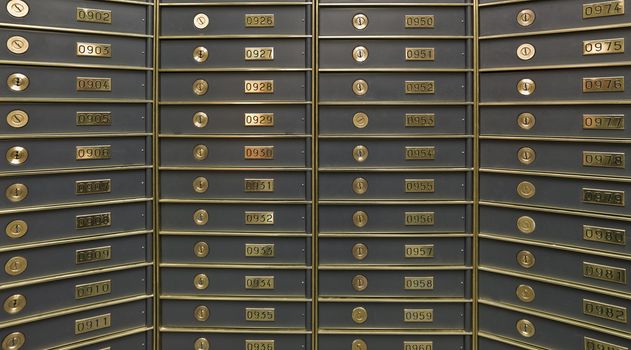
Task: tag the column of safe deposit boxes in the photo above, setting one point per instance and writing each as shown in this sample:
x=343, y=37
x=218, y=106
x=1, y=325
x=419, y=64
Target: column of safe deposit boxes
x=554, y=251
x=395, y=112
x=235, y=143
x=76, y=179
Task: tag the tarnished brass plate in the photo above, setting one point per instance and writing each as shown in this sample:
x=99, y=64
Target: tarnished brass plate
x=200, y=217
x=359, y=315
x=93, y=152
x=201, y=313
x=263, y=314
x=200, y=87
x=200, y=281
x=200, y=54
x=17, y=155
x=260, y=282
x=420, y=120
x=14, y=304
x=86, y=256
x=258, y=119
x=94, y=15
x=360, y=120
x=200, y=119
x=526, y=87
x=258, y=152
x=420, y=54
x=259, y=217
x=604, y=159
x=418, y=283
x=360, y=153
x=603, y=9
x=93, y=49
x=526, y=189
x=420, y=21
x=603, y=46
x=418, y=315
x=259, y=185
x=201, y=344
x=594, y=344
x=260, y=344
x=605, y=235
x=201, y=21
x=360, y=21
x=201, y=249
x=92, y=324
x=418, y=345
x=254, y=250
x=360, y=185
x=420, y=186
x=603, y=121
x=419, y=218
x=526, y=224
x=93, y=220
x=525, y=293
x=17, y=44
x=359, y=283
x=258, y=86
x=94, y=118
x=607, y=311
x=603, y=84
x=260, y=20
x=525, y=328
x=603, y=197
x=17, y=119
x=526, y=17
x=360, y=87
x=419, y=251
x=420, y=153
x=526, y=259
x=605, y=273
x=89, y=290
x=526, y=155
x=16, y=192
x=526, y=52
x=17, y=8
x=16, y=229
x=93, y=186
x=200, y=184
x=18, y=82
x=360, y=219
x=13, y=341
x=420, y=87
x=90, y=84
x=360, y=251
x=200, y=152
x=526, y=121
x=258, y=54
x=360, y=54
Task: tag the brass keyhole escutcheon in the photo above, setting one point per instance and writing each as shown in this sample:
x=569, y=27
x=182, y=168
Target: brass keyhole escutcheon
x=201, y=21
x=360, y=283
x=17, y=119
x=13, y=341
x=17, y=155
x=525, y=328
x=15, y=266
x=526, y=224
x=526, y=52
x=17, y=82
x=360, y=219
x=360, y=21
x=201, y=313
x=360, y=251
x=526, y=121
x=360, y=153
x=200, y=281
x=201, y=249
x=17, y=8
x=526, y=259
x=16, y=192
x=360, y=185
x=17, y=44
x=359, y=315
x=16, y=229
x=360, y=54
x=525, y=293
x=200, y=152
x=200, y=217
x=360, y=87
x=526, y=17
x=200, y=87
x=200, y=120
x=526, y=87
x=526, y=189
x=202, y=344
x=14, y=304
x=360, y=120
x=359, y=344
x=526, y=155
x=200, y=184
x=200, y=54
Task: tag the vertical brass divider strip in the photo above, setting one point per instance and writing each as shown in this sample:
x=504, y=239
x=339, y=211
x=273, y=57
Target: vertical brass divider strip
x=476, y=171
x=315, y=166
x=156, y=178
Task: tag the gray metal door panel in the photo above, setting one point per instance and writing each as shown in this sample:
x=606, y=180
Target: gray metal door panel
x=138, y=341
x=228, y=341
x=344, y=342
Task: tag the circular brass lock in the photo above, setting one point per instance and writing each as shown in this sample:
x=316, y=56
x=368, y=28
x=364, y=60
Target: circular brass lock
x=526, y=121
x=526, y=224
x=200, y=120
x=526, y=17
x=17, y=82
x=526, y=87
x=360, y=283
x=526, y=155
x=200, y=87
x=200, y=217
x=201, y=249
x=360, y=153
x=17, y=8
x=16, y=229
x=360, y=120
x=359, y=344
x=14, y=304
x=360, y=21
x=17, y=118
x=200, y=152
x=16, y=192
x=201, y=313
x=200, y=184
x=525, y=328
x=526, y=259
x=360, y=219
x=17, y=44
x=526, y=52
x=13, y=341
x=17, y=155
x=15, y=266
x=360, y=87
x=359, y=315
x=360, y=54
x=200, y=54
x=525, y=293
x=526, y=189
x=201, y=21
x=360, y=251
x=201, y=281
x=202, y=344
x=360, y=185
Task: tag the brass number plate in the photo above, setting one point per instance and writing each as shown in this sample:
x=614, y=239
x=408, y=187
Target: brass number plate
x=258, y=54
x=420, y=120
x=258, y=152
x=418, y=315
x=603, y=9
x=606, y=311
x=419, y=21
x=604, y=235
x=258, y=119
x=259, y=218
x=91, y=324
x=93, y=152
x=259, y=185
x=420, y=87
x=605, y=273
x=94, y=118
x=260, y=314
x=603, y=46
x=93, y=186
x=260, y=345
x=94, y=15
x=418, y=283
x=419, y=53
x=419, y=218
x=89, y=290
x=420, y=186
x=419, y=251
x=603, y=197
x=420, y=153
x=86, y=256
x=259, y=282
x=94, y=50
x=93, y=220
x=258, y=86
x=603, y=84
x=259, y=21
x=94, y=84
x=259, y=250
x=594, y=344
x=603, y=160
x=418, y=345
x=603, y=122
